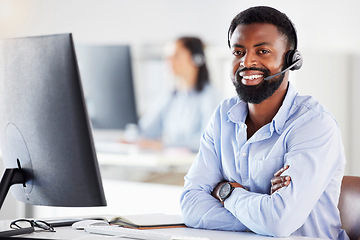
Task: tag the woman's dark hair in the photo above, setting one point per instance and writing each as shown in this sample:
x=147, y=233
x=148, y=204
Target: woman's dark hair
x=263, y=14
x=196, y=48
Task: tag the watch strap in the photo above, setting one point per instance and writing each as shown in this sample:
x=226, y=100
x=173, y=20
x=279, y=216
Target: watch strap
x=235, y=184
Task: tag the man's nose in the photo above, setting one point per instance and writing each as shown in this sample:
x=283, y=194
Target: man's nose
x=249, y=60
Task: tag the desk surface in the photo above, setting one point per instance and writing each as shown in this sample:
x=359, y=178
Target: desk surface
x=129, y=162
x=71, y=233
x=111, y=151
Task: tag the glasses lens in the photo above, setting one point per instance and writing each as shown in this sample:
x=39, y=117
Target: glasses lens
x=21, y=223
x=43, y=225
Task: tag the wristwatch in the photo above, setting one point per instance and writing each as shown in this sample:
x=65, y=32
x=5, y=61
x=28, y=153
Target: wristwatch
x=226, y=190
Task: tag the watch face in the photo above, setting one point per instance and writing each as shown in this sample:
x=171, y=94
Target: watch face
x=225, y=191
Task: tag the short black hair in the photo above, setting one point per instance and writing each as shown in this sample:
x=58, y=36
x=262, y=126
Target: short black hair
x=264, y=14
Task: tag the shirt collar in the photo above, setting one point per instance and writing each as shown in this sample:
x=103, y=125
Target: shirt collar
x=238, y=112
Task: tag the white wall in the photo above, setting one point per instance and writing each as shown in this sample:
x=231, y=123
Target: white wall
x=354, y=119
x=330, y=82
x=324, y=24
x=327, y=31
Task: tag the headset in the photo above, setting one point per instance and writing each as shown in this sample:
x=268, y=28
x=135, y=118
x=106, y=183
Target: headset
x=198, y=59
x=293, y=58
x=293, y=61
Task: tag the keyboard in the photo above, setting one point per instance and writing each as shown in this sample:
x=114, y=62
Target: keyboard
x=136, y=233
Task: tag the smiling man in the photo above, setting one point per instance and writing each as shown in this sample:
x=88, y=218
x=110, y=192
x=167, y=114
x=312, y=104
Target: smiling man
x=267, y=127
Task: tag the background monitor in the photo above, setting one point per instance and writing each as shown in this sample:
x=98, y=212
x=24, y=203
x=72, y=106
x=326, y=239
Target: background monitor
x=106, y=73
x=44, y=127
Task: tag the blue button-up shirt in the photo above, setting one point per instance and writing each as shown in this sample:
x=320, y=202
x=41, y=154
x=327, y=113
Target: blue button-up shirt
x=302, y=135
x=180, y=118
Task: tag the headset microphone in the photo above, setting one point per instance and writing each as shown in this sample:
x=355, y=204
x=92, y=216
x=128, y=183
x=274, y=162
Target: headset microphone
x=283, y=71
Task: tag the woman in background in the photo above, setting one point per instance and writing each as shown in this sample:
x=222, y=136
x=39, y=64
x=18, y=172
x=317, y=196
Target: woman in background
x=181, y=117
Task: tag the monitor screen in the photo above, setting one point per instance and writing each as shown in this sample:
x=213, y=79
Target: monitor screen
x=44, y=126
x=106, y=73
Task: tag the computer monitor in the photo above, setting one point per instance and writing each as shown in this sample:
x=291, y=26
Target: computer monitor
x=106, y=73
x=45, y=136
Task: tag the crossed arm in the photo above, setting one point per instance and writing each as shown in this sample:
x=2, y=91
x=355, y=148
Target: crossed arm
x=316, y=160
x=277, y=182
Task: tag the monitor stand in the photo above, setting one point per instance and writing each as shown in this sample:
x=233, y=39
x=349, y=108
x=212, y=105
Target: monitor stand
x=11, y=176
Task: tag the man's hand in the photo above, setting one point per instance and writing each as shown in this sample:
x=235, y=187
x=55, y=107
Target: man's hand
x=278, y=182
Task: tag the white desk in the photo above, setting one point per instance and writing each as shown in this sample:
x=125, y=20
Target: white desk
x=70, y=233
x=128, y=162
x=123, y=198
x=165, y=160
x=111, y=151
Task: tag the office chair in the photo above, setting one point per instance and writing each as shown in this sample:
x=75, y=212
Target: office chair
x=349, y=206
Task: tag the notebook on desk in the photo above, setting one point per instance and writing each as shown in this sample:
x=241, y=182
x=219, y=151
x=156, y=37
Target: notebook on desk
x=150, y=221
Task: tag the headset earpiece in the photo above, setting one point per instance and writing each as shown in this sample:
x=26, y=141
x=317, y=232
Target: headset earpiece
x=198, y=59
x=293, y=56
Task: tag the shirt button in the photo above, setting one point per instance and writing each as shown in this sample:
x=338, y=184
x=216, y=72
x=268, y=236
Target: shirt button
x=244, y=154
x=242, y=125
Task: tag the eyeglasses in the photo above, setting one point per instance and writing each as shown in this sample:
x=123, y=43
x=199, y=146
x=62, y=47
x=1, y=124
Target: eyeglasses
x=37, y=225
x=25, y=226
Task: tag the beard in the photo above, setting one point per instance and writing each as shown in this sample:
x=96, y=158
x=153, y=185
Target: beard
x=257, y=93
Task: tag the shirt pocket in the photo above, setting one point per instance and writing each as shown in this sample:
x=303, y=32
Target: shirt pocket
x=262, y=171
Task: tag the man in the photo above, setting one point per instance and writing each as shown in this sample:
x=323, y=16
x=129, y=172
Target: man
x=267, y=129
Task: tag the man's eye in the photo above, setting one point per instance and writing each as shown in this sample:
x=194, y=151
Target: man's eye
x=264, y=51
x=237, y=53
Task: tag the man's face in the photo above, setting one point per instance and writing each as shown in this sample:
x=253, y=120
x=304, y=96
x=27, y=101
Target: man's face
x=258, y=51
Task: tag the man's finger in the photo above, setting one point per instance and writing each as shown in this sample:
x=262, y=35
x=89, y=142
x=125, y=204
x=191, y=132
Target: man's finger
x=281, y=184
x=276, y=180
x=281, y=170
x=274, y=188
